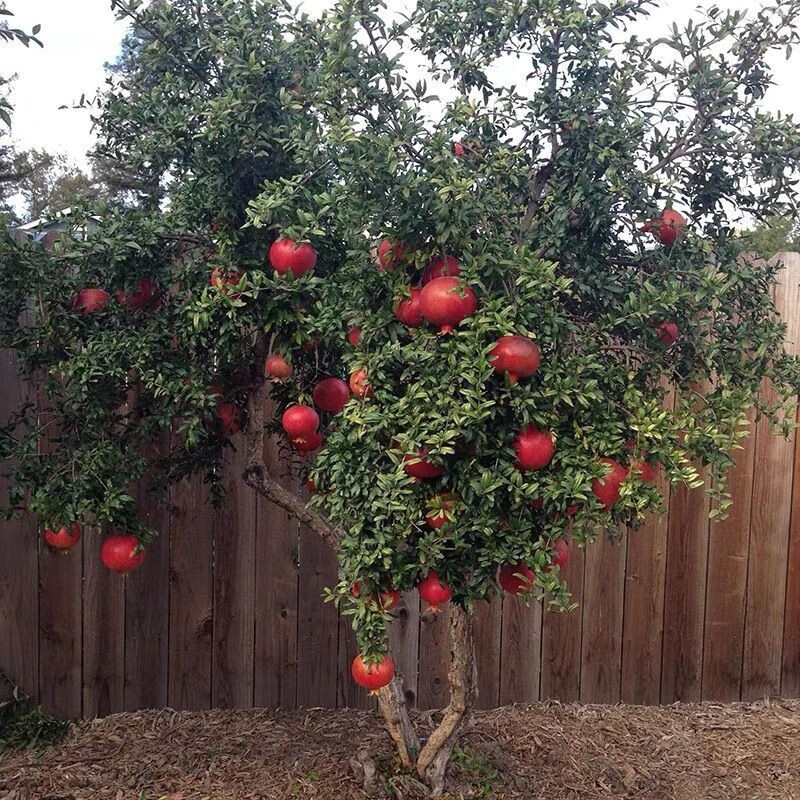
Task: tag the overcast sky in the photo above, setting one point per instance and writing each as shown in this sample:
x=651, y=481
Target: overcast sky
x=80, y=36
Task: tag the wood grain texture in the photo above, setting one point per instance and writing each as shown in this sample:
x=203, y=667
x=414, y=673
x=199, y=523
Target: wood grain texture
x=562, y=633
x=404, y=643
x=790, y=677
x=601, y=642
x=190, y=618
x=728, y=547
x=487, y=622
x=521, y=651
x=434, y=658
x=234, y=586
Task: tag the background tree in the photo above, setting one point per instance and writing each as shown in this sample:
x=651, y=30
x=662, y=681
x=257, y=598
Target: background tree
x=558, y=204
x=773, y=236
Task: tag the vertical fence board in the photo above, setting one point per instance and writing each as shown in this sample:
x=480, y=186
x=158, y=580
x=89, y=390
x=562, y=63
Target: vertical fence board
x=103, y=633
x=191, y=621
x=348, y=693
x=601, y=644
x=404, y=643
x=521, y=651
x=488, y=627
x=562, y=636
x=434, y=659
x=790, y=677
x=234, y=588
x=19, y=567
x=728, y=544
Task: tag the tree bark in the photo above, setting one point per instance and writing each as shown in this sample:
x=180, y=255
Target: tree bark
x=463, y=679
x=392, y=703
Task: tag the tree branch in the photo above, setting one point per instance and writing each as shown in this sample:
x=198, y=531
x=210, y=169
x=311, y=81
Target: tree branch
x=392, y=703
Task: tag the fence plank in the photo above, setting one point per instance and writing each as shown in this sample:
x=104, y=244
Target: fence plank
x=234, y=589
x=487, y=622
x=790, y=677
x=728, y=546
x=348, y=693
x=19, y=567
x=562, y=636
x=103, y=633
x=601, y=643
x=404, y=643
x=769, y=537
x=434, y=658
x=521, y=651
x=191, y=624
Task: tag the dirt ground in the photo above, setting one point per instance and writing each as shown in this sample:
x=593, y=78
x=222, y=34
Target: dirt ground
x=548, y=751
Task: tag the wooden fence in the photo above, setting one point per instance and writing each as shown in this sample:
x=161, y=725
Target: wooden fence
x=226, y=609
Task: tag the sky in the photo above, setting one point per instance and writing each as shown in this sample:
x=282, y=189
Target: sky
x=80, y=36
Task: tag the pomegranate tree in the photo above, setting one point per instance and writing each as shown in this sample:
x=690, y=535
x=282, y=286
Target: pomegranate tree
x=466, y=357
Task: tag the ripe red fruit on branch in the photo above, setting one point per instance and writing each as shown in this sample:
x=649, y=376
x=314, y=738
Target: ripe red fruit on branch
x=286, y=255
x=668, y=333
x=606, y=489
x=436, y=519
x=223, y=283
x=311, y=486
x=408, y=310
x=389, y=599
x=534, y=448
x=421, y=469
x=433, y=592
x=331, y=394
x=354, y=336
x=230, y=418
x=299, y=421
x=119, y=553
x=516, y=578
x=667, y=228
x=459, y=150
x=560, y=553
x=446, y=302
x=89, y=300
x=372, y=676
x=647, y=469
x=440, y=268
x=64, y=538
x=145, y=296
x=360, y=385
x=307, y=444
x=516, y=355
x=390, y=253
x=277, y=367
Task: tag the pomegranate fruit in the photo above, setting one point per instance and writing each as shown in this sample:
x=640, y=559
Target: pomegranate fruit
x=307, y=444
x=230, y=418
x=447, y=301
x=408, y=311
x=299, y=422
x=65, y=538
x=417, y=466
x=121, y=553
x=286, y=255
x=437, y=518
x=311, y=486
x=223, y=283
x=668, y=333
x=146, y=295
x=360, y=385
x=331, y=394
x=517, y=356
x=560, y=553
x=516, y=578
x=390, y=254
x=277, y=367
x=534, y=448
x=459, y=150
x=88, y=301
x=646, y=468
x=354, y=336
x=606, y=489
x=372, y=676
x=433, y=592
x=667, y=228
x=440, y=267
x=389, y=599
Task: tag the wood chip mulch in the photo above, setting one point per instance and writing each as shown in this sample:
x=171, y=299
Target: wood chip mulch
x=546, y=751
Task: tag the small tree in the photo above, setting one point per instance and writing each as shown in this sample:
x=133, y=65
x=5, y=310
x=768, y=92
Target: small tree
x=572, y=186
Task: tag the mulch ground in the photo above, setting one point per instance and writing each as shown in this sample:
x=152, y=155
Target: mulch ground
x=547, y=751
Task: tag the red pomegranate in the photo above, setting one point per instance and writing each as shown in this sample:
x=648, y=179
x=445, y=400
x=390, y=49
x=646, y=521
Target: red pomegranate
x=668, y=333
x=534, y=448
x=436, y=519
x=459, y=150
x=516, y=578
x=372, y=676
x=331, y=394
x=88, y=301
x=389, y=599
x=515, y=355
x=223, y=283
x=433, y=592
x=277, y=367
x=307, y=444
x=606, y=489
x=446, y=302
x=408, y=310
x=560, y=553
x=421, y=468
x=646, y=468
x=64, y=538
x=230, y=418
x=359, y=384
x=121, y=553
x=300, y=422
x=354, y=336
x=146, y=295
x=538, y=503
x=439, y=268
x=311, y=486
x=286, y=255
x=390, y=254
x=667, y=228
